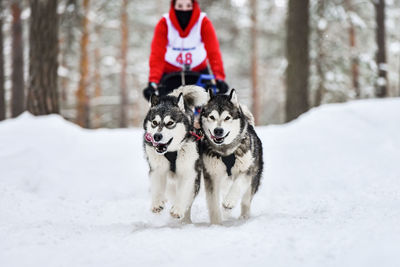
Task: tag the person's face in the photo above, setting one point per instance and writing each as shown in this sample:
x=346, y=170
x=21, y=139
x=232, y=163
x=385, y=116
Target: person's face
x=183, y=5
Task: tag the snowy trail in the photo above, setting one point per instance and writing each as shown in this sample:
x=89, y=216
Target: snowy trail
x=330, y=196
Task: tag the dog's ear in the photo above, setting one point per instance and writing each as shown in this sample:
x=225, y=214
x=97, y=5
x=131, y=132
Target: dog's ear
x=233, y=98
x=210, y=93
x=154, y=100
x=181, y=102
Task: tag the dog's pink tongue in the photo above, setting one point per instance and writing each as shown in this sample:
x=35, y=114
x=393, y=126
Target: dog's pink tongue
x=149, y=138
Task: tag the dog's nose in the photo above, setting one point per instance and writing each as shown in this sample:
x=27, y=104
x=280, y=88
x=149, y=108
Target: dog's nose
x=157, y=137
x=218, y=131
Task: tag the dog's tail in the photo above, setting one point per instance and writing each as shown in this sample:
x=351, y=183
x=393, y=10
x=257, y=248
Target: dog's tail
x=194, y=95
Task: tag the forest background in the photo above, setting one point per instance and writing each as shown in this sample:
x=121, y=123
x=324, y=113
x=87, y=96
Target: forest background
x=88, y=59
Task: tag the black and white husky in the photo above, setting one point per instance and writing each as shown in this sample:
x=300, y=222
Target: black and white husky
x=172, y=151
x=232, y=155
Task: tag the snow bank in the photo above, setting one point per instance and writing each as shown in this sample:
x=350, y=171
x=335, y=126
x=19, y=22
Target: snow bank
x=51, y=157
x=330, y=196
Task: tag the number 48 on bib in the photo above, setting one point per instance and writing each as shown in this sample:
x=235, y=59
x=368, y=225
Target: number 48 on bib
x=184, y=59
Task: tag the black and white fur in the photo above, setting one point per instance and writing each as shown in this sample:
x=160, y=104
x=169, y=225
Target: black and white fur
x=232, y=155
x=172, y=153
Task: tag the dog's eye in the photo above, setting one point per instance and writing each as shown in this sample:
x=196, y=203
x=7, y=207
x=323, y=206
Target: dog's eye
x=212, y=118
x=227, y=118
x=154, y=123
x=170, y=123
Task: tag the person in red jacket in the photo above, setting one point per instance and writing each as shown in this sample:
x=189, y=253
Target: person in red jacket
x=184, y=39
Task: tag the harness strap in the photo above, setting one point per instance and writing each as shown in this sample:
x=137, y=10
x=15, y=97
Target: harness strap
x=229, y=161
x=171, y=157
x=198, y=136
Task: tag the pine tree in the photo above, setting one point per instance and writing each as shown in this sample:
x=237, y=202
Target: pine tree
x=353, y=49
x=82, y=109
x=319, y=62
x=382, y=82
x=18, y=90
x=68, y=24
x=97, y=79
x=43, y=53
x=254, y=62
x=2, y=92
x=124, y=62
x=297, y=52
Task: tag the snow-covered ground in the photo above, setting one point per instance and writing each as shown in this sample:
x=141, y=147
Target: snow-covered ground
x=330, y=196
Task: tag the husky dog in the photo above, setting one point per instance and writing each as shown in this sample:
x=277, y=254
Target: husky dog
x=232, y=155
x=172, y=151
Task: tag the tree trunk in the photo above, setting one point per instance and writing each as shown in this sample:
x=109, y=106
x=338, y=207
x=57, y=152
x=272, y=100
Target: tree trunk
x=297, y=52
x=2, y=92
x=82, y=108
x=354, y=61
x=254, y=62
x=382, y=82
x=69, y=21
x=124, y=62
x=352, y=43
x=319, y=94
x=97, y=79
x=43, y=53
x=18, y=93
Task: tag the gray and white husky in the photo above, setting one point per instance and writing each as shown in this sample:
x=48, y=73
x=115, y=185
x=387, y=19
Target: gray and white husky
x=171, y=150
x=232, y=155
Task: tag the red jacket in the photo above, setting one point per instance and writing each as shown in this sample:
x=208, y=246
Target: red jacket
x=158, y=65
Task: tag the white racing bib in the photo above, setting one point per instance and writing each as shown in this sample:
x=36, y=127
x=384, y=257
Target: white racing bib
x=189, y=50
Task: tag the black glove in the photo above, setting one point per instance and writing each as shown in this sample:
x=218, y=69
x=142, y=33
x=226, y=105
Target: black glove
x=222, y=86
x=149, y=90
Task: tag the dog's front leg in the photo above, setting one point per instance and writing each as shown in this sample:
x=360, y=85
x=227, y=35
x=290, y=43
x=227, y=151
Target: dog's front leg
x=184, y=195
x=212, y=186
x=246, y=202
x=158, y=182
x=238, y=188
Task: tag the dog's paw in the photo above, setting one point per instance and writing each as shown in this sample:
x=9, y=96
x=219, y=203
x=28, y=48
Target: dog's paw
x=228, y=204
x=186, y=220
x=244, y=217
x=216, y=221
x=176, y=212
x=158, y=207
